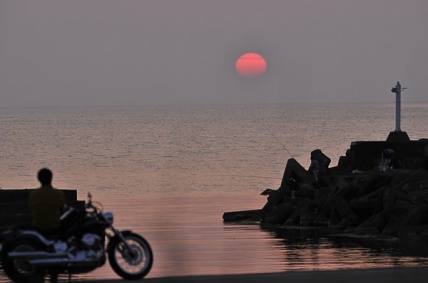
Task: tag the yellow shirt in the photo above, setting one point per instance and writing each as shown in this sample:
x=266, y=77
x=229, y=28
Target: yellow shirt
x=47, y=206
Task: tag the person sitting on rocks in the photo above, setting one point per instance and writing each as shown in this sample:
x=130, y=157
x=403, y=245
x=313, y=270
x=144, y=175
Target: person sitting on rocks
x=294, y=187
x=386, y=160
x=314, y=167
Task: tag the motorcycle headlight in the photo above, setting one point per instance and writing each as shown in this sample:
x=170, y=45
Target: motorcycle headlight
x=109, y=217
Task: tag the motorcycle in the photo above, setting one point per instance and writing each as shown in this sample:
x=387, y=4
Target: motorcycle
x=79, y=247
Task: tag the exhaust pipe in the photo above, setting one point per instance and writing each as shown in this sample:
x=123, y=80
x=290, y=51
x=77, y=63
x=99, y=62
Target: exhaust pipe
x=40, y=258
x=49, y=261
x=36, y=254
x=62, y=262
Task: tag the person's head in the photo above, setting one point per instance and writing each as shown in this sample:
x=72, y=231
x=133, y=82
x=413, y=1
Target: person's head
x=45, y=176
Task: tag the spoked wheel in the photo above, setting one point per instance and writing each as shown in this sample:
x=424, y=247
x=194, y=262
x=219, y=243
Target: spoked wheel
x=133, y=260
x=19, y=269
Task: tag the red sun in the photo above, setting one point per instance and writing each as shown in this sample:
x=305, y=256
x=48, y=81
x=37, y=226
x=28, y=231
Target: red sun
x=251, y=65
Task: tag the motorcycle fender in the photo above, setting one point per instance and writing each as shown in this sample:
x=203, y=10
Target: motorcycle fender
x=116, y=238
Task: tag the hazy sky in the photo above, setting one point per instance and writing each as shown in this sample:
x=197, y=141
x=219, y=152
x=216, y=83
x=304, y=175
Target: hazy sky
x=123, y=52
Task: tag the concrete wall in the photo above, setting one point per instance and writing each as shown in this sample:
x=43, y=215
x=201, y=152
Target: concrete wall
x=14, y=207
x=366, y=155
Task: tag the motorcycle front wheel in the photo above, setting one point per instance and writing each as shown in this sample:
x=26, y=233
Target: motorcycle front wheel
x=133, y=260
x=19, y=270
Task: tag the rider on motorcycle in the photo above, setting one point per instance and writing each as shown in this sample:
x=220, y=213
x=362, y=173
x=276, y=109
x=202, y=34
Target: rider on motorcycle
x=46, y=204
x=86, y=239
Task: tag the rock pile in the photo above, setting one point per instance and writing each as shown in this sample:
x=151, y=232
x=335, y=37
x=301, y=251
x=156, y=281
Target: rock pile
x=361, y=195
x=391, y=203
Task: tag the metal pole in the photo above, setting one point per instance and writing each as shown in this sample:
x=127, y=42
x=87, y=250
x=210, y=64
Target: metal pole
x=398, y=107
x=397, y=90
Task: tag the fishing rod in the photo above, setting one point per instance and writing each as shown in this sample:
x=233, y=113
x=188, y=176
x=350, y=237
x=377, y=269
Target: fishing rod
x=247, y=176
x=283, y=146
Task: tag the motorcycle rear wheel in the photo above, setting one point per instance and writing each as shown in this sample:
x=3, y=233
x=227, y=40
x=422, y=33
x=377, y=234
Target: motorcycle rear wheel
x=133, y=263
x=19, y=270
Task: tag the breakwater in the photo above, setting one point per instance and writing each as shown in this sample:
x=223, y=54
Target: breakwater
x=367, y=193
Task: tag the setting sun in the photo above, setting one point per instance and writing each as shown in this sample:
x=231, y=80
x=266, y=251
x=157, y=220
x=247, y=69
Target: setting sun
x=251, y=65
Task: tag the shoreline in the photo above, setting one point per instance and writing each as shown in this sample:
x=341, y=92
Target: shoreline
x=375, y=275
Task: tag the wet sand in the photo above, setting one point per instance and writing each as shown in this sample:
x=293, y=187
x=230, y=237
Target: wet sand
x=390, y=275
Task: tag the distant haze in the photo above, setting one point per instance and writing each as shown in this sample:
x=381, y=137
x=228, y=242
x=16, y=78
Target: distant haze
x=123, y=52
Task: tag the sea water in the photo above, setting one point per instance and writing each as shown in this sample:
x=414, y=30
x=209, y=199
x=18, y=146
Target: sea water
x=170, y=172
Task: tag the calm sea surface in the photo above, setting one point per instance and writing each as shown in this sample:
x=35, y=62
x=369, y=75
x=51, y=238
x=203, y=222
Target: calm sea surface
x=169, y=173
